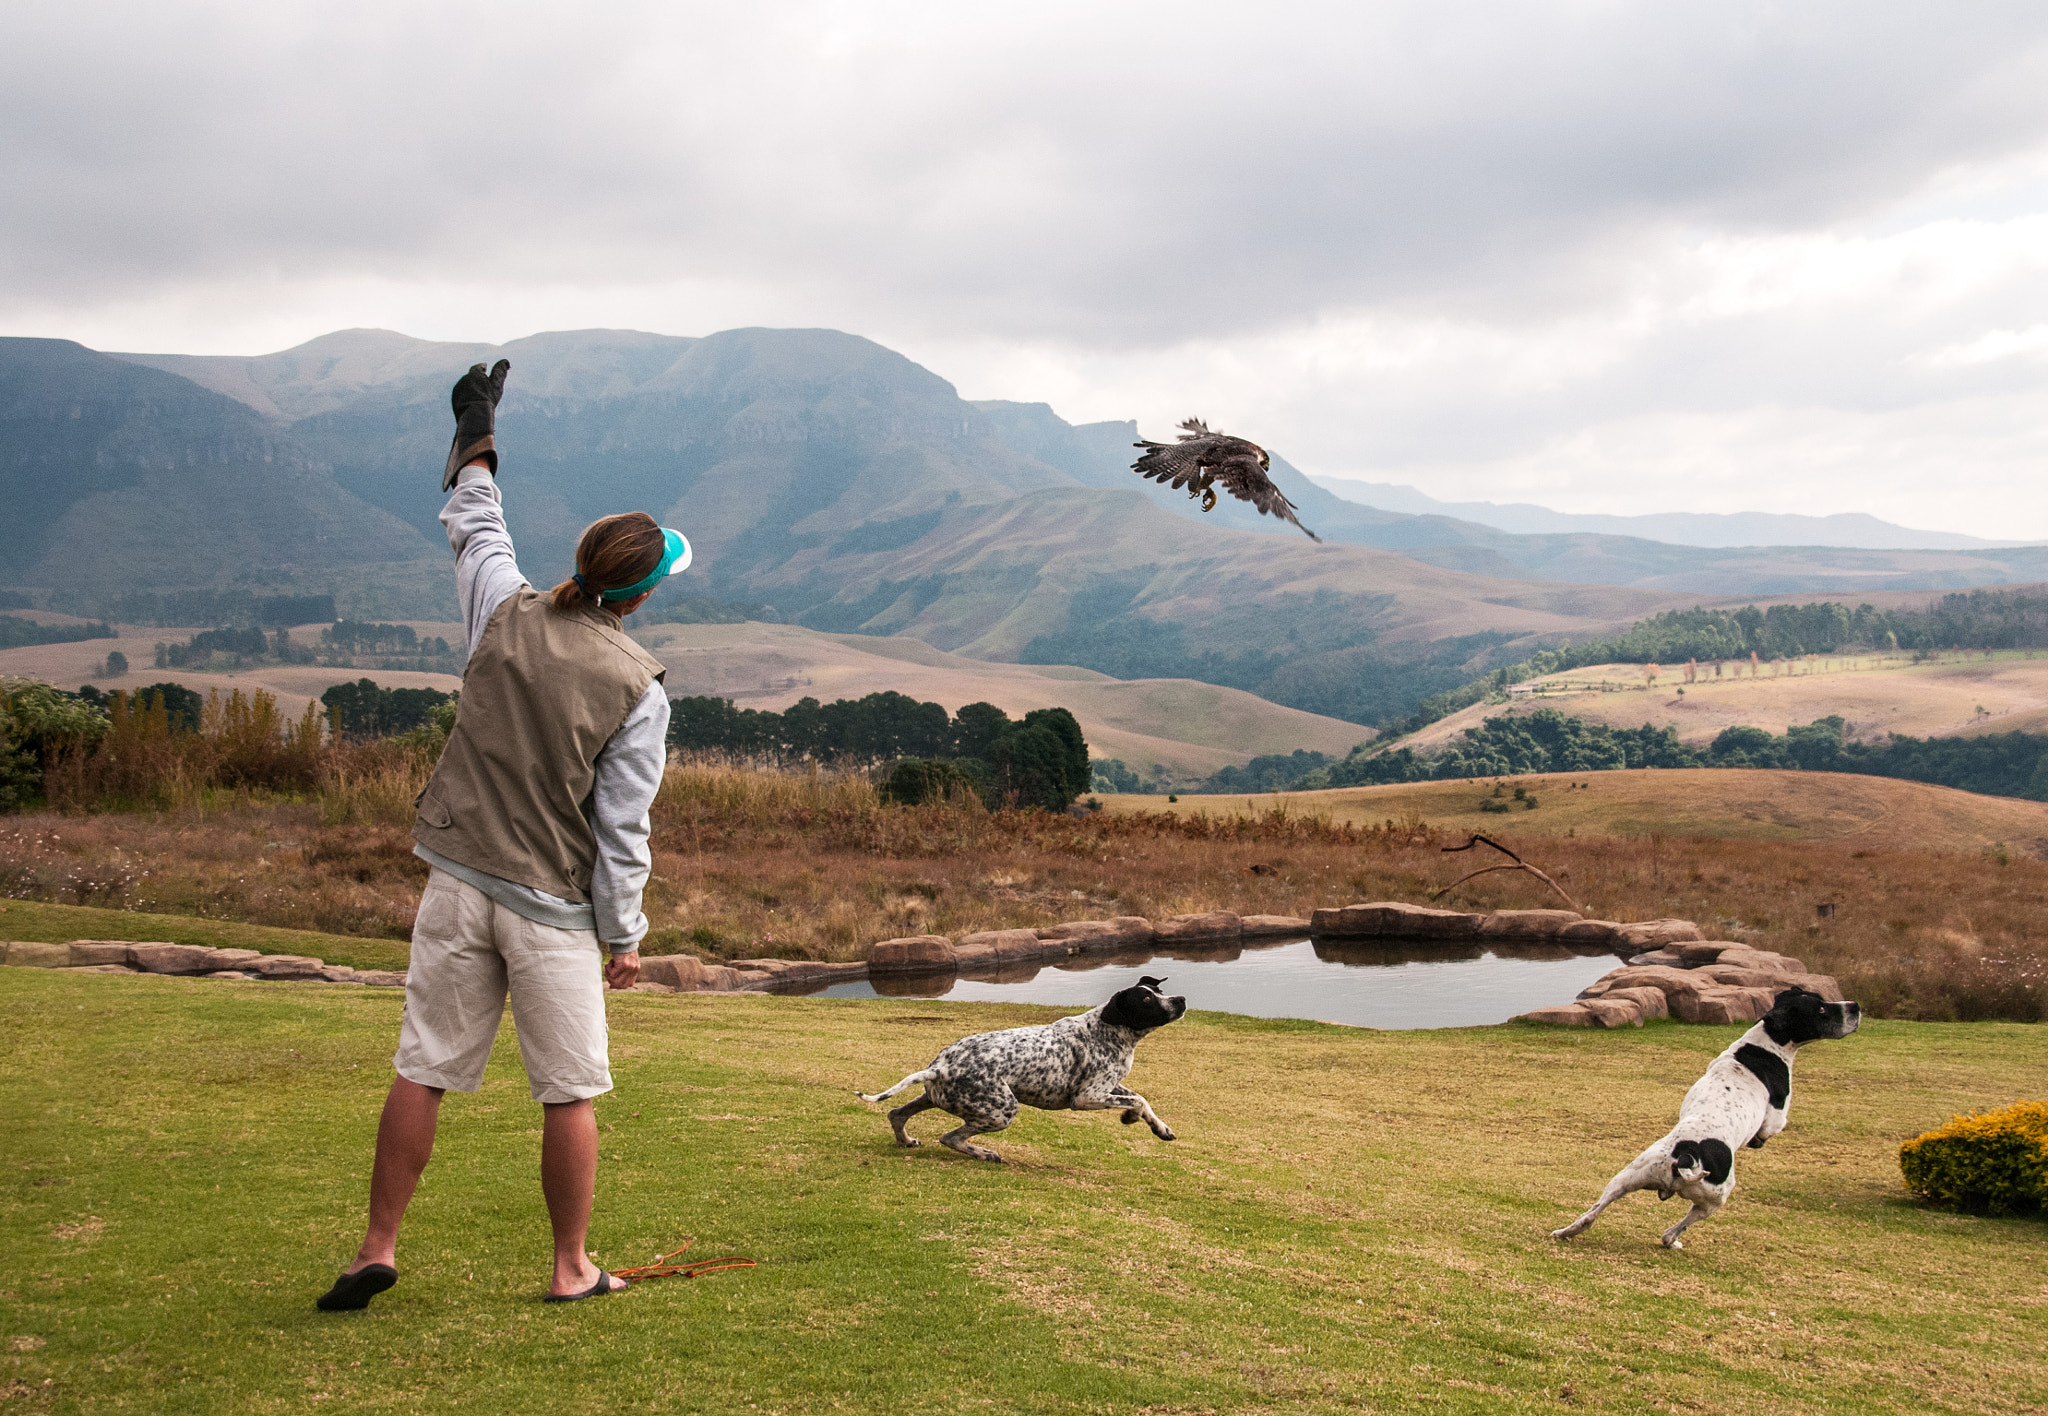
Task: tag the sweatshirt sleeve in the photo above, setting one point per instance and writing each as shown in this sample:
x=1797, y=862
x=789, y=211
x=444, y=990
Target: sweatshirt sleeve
x=486, y=571
x=628, y=775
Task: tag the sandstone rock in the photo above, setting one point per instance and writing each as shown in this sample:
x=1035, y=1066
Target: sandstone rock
x=682, y=972
x=994, y=947
x=1595, y=934
x=1091, y=936
x=1182, y=929
x=235, y=958
x=1657, y=933
x=102, y=968
x=1742, y=956
x=1613, y=1012
x=85, y=952
x=1526, y=924
x=337, y=973
x=1572, y=1015
x=1704, y=951
x=287, y=966
x=232, y=973
x=645, y=987
x=381, y=978
x=1273, y=927
x=1395, y=920
x=920, y=953
x=175, y=958
x=1737, y=977
x=1718, y=1003
x=795, y=971
x=720, y=979
x=1671, y=958
x=1600, y=985
x=33, y=954
x=1664, y=979
x=1651, y=1001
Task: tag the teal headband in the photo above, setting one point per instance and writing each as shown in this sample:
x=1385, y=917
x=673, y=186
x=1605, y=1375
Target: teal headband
x=675, y=556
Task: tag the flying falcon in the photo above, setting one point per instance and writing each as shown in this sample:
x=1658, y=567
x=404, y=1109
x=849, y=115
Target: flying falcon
x=1202, y=458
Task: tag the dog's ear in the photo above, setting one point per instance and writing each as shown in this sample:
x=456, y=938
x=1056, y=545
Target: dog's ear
x=1155, y=984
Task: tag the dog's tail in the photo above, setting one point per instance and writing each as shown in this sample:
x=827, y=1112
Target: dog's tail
x=910, y=1081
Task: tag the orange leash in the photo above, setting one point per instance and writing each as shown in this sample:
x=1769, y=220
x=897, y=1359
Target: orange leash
x=662, y=1268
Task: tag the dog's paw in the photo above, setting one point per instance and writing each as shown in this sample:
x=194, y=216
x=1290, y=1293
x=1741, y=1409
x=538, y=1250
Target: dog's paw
x=1673, y=1242
x=1565, y=1233
x=1165, y=1133
x=909, y=1142
x=1757, y=1142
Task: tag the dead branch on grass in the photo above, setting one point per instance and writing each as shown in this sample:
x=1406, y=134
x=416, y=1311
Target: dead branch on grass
x=1519, y=864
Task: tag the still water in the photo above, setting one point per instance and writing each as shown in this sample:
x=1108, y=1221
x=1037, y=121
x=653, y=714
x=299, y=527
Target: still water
x=1385, y=984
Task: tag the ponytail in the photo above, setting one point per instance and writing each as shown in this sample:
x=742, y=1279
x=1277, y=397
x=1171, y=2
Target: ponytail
x=614, y=551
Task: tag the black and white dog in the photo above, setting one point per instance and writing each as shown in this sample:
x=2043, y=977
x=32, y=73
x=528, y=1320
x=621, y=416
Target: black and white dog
x=1742, y=1100
x=1077, y=1064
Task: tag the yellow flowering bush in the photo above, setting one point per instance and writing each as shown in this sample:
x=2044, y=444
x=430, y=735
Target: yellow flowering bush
x=1993, y=1161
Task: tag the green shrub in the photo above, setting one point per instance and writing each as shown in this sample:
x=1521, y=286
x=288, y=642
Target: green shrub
x=919, y=781
x=1994, y=1162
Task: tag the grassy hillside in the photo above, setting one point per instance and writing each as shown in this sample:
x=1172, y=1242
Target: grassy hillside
x=1959, y=695
x=1370, y=1233
x=1189, y=727
x=1873, y=813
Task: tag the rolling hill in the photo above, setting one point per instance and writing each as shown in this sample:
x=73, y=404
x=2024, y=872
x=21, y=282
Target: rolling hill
x=1189, y=728
x=1960, y=696
x=1874, y=813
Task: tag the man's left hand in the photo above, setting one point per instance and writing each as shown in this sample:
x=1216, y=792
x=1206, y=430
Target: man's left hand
x=622, y=969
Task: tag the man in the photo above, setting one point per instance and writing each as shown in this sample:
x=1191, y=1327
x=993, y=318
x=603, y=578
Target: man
x=535, y=824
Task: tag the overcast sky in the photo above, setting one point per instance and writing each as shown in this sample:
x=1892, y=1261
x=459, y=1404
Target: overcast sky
x=1602, y=256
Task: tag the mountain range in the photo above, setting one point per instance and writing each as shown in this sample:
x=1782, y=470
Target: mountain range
x=828, y=479
x=1851, y=529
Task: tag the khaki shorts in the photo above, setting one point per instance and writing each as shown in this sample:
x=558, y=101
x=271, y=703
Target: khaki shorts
x=468, y=951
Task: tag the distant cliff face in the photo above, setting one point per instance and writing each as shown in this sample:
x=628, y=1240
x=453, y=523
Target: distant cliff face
x=824, y=476
x=121, y=477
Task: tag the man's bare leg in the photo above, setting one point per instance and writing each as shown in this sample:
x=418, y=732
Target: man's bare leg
x=568, y=1181
x=405, y=1141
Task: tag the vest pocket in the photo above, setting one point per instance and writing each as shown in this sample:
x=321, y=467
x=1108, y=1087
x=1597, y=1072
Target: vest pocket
x=432, y=809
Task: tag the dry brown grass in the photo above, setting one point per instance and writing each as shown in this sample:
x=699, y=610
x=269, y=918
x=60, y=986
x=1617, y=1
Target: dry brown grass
x=750, y=862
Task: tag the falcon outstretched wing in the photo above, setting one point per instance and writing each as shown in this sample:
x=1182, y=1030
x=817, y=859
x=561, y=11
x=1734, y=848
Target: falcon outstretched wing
x=1245, y=479
x=1202, y=457
x=1176, y=463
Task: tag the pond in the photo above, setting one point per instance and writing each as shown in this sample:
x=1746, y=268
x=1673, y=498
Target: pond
x=1382, y=984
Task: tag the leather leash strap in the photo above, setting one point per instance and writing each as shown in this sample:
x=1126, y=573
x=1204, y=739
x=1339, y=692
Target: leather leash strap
x=664, y=1268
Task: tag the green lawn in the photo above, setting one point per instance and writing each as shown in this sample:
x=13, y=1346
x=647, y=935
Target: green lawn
x=33, y=919
x=1351, y=1221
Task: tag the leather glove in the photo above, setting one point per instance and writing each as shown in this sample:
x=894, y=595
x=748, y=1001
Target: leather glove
x=475, y=401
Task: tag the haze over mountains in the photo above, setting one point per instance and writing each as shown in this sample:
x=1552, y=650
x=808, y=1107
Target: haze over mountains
x=1685, y=528
x=824, y=476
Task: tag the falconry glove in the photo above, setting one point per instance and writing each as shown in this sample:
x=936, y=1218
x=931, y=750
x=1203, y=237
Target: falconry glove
x=475, y=401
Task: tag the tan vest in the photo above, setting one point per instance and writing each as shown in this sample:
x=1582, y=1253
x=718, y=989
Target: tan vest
x=543, y=693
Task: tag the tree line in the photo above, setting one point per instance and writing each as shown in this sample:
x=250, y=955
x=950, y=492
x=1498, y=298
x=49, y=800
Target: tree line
x=19, y=633
x=1039, y=760
x=1994, y=764
x=1975, y=619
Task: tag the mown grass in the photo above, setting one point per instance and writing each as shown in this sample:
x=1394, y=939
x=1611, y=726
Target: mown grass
x=1351, y=1221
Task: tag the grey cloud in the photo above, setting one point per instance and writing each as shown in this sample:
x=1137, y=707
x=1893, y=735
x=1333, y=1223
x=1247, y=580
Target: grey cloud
x=1121, y=175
